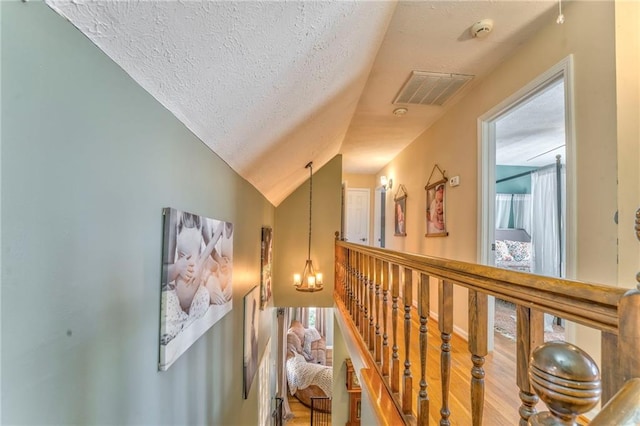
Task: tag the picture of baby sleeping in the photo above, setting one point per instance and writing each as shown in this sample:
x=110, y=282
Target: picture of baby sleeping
x=196, y=276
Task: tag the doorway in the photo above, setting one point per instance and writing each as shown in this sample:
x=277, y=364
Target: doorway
x=526, y=146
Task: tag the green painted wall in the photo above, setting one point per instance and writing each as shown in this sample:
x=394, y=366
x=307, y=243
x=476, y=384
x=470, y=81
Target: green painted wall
x=521, y=185
x=88, y=161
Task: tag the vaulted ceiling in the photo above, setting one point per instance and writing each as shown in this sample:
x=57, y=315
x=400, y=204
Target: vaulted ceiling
x=270, y=86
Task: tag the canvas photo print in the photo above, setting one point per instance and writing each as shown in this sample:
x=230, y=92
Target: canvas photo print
x=266, y=266
x=196, y=282
x=436, y=224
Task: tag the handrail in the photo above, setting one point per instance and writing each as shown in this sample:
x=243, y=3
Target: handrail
x=374, y=287
x=623, y=409
x=588, y=304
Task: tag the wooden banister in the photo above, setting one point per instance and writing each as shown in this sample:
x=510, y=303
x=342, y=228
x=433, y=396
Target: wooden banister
x=372, y=282
x=623, y=409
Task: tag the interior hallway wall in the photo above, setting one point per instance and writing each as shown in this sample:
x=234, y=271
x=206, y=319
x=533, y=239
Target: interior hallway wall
x=452, y=143
x=89, y=159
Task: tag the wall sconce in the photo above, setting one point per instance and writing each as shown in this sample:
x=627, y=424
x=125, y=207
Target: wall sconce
x=386, y=183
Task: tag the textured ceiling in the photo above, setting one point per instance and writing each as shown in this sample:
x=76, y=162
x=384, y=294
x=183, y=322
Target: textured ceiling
x=270, y=86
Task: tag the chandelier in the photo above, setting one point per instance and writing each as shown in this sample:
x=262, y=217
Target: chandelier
x=310, y=280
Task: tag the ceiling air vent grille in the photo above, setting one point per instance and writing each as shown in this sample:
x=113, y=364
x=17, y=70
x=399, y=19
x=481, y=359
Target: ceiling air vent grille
x=430, y=88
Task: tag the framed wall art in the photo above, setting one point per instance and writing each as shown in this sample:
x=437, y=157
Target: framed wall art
x=436, y=202
x=400, y=209
x=266, y=262
x=196, y=280
x=250, y=363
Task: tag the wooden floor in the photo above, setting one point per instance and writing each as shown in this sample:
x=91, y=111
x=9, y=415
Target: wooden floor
x=501, y=393
x=301, y=413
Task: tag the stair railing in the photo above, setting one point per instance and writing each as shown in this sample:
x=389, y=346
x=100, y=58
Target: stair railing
x=374, y=289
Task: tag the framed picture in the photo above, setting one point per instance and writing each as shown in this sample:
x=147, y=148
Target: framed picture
x=196, y=280
x=266, y=262
x=436, y=197
x=250, y=364
x=399, y=212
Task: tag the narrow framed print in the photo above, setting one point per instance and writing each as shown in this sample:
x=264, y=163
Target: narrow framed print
x=436, y=201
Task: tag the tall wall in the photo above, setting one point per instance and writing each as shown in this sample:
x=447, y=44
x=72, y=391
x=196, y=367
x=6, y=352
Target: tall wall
x=88, y=161
x=290, y=238
x=452, y=143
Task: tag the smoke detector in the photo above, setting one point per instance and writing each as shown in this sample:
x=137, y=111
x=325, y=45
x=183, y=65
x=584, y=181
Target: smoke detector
x=481, y=29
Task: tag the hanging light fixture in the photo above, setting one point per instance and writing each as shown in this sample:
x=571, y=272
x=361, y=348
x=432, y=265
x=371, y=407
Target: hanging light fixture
x=310, y=280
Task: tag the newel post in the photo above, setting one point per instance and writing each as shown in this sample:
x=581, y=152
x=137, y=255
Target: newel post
x=567, y=380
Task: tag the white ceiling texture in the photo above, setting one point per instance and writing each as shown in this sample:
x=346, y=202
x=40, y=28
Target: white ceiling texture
x=270, y=86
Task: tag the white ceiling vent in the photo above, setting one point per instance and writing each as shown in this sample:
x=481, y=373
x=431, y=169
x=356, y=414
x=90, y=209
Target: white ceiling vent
x=430, y=88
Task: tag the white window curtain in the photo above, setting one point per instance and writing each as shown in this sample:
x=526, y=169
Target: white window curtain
x=503, y=210
x=546, y=226
x=522, y=212
x=283, y=326
x=321, y=321
x=300, y=314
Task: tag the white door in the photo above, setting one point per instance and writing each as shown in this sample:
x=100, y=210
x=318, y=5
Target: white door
x=357, y=217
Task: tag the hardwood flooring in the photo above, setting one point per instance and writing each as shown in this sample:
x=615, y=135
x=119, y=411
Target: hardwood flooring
x=301, y=413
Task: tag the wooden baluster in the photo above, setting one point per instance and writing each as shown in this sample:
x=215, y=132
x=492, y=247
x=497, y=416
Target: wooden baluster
x=372, y=278
x=350, y=284
x=629, y=335
x=530, y=335
x=611, y=377
x=339, y=273
x=367, y=301
x=478, y=348
x=407, y=294
x=358, y=291
x=423, y=312
x=385, y=311
x=354, y=288
x=363, y=294
x=445, y=324
x=343, y=276
x=378, y=338
x=364, y=324
x=395, y=360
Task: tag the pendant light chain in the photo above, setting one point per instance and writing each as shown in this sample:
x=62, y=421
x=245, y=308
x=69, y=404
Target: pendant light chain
x=310, y=166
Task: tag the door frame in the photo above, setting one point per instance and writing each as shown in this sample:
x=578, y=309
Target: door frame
x=486, y=172
x=379, y=217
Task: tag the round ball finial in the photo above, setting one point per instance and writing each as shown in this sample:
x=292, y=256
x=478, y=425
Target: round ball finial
x=566, y=378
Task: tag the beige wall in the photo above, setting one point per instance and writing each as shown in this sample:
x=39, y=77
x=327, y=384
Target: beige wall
x=628, y=98
x=452, y=144
x=290, y=238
